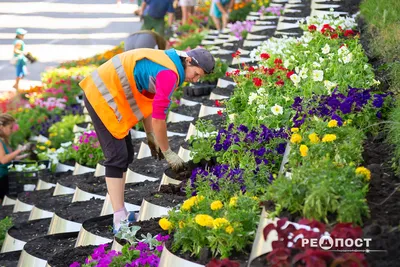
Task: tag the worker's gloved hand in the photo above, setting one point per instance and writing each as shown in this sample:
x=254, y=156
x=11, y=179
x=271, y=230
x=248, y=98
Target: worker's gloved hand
x=173, y=160
x=153, y=145
x=23, y=148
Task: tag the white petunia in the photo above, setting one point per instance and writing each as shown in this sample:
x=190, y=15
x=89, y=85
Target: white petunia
x=326, y=49
x=318, y=75
x=348, y=58
x=321, y=60
x=329, y=85
x=316, y=64
x=303, y=73
x=232, y=117
x=375, y=82
x=295, y=79
x=343, y=51
x=277, y=110
x=252, y=97
x=261, y=90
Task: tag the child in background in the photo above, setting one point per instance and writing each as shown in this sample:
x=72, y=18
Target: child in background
x=19, y=56
x=220, y=10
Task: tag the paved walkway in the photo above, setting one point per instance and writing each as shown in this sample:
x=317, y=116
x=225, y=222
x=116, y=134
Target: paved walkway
x=60, y=30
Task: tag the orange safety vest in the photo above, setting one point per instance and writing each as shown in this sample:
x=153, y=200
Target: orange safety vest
x=112, y=92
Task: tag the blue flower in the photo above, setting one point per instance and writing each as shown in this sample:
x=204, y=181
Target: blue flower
x=378, y=101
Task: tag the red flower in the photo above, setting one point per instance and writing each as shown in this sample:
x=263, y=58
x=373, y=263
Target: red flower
x=219, y=112
x=334, y=36
x=227, y=74
x=271, y=71
x=278, y=61
x=312, y=28
x=251, y=69
x=217, y=103
x=280, y=83
x=236, y=72
x=290, y=73
x=349, y=32
x=264, y=56
x=257, y=82
x=236, y=54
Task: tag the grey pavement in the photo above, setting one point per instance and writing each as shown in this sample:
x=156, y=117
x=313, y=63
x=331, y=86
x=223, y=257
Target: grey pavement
x=61, y=30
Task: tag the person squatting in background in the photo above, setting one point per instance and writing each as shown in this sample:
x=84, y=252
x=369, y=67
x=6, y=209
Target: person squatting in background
x=220, y=10
x=153, y=12
x=8, y=126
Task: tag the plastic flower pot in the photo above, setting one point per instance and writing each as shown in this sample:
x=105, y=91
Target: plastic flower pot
x=206, y=110
x=169, y=259
x=11, y=244
x=63, y=190
x=257, y=28
x=42, y=185
x=21, y=206
x=85, y=237
x=137, y=134
x=37, y=213
x=8, y=201
x=64, y=167
x=149, y=210
x=107, y=207
x=60, y=225
x=192, y=131
x=224, y=83
x=176, y=117
x=168, y=180
x=100, y=170
x=134, y=177
x=80, y=169
x=188, y=102
x=184, y=154
x=260, y=245
x=285, y=25
x=81, y=195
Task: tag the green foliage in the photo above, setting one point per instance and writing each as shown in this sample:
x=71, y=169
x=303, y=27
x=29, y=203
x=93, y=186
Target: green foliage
x=224, y=225
x=87, y=151
x=219, y=72
x=241, y=13
x=203, y=141
x=128, y=233
x=393, y=137
x=62, y=131
x=191, y=41
x=5, y=224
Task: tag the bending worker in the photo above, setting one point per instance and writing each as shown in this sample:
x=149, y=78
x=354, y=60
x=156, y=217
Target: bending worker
x=145, y=39
x=131, y=87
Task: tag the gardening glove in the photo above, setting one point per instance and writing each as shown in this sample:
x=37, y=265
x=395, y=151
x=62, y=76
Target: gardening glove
x=173, y=160
x=153, y=145
x=23, y=148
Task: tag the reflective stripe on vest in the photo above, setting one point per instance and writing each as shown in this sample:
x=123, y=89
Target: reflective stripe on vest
x=125, y=85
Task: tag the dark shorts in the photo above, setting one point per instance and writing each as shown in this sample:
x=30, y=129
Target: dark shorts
x=118, y=153
x=4, y=186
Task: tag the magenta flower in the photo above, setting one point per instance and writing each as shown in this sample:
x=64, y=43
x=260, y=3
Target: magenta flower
x=91, y=156
x=75, y=264
x=76, y=148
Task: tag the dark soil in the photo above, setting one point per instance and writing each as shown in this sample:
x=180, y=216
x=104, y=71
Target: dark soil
x=168, y=196
x=267, y=32
x=149, y=167
x=134, y=193
x=351, y=6
x=10, y=259
x=74, y=211
x=6, y=211
x=384, y=203
x=54, y=177
x=53, y=203
x=218, y=121
x=186, y=145
x=70, y=255
x=224, y=91
x=46, y=246
x=206, y=256
x=175, y=142
x=198, y=89
x=212, y=103
x=198, y=99
x=304, y=11
x=29, y=230
x=20, y=217
x=101, y=226
x=34, y=197
x=178, y=127
x=185, y=173
x=94, y=185
x=73, y=180
x=191, y=111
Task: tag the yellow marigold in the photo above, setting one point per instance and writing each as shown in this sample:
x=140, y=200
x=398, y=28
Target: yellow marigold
x=313, y=138
x=199, y=198
x=365, y=172
x=303, y=150
x=42, y=147
x=204, y=220
x=347, y=122
x=53, y=149
x=181, y=224
x=255, y=198
x=219, y=222
x=332, y=123
x=48, y=142
x=216, y=205
x=295, y=139
x=229, y=229
x=189, y=203
x=294, y=130
x=232, y=201
x=329, y=138
x=165, y=224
